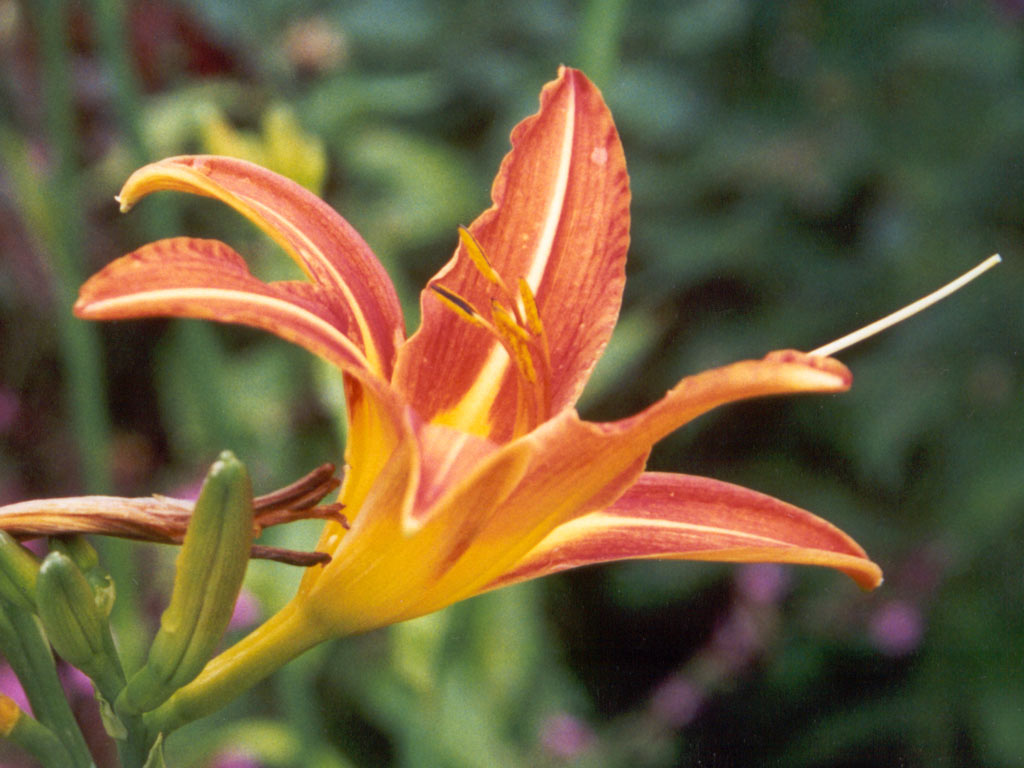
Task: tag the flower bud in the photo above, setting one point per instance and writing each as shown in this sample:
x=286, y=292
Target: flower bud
x=86, y=558
x=18, y=571
x=74, y=624
x=208, y=577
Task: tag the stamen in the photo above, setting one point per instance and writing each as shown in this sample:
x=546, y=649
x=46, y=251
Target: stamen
x=516, y=324
x=476, y=254
x=505, y=320
x=533, y=322
x=459, y=305
x=902, y=314
x=530, y=308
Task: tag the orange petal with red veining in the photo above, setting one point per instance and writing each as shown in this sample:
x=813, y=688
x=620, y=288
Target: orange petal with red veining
x=683, y=517
x=326, y=246
x=560, y=220
x=187, y=277
x=577, y=467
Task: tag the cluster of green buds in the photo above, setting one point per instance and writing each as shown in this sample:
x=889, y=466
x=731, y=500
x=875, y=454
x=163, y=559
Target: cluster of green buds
x=61, y=604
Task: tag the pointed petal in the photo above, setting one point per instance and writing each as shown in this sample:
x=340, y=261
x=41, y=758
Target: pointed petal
x=695, y=518
x=560, y=220
x=327, y=248
x=576, y=467
x=415, y=548
x=778, y=373
x=186, y=277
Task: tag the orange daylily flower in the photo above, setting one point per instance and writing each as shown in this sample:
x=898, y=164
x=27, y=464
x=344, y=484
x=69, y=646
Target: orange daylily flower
x=468, y=466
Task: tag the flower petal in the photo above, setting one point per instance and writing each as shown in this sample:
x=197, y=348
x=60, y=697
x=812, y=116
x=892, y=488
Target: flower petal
x=560, y=220
x=326, y=246
x=576, y=467
x=695, y=518
x=414, y=547
x=186, y=277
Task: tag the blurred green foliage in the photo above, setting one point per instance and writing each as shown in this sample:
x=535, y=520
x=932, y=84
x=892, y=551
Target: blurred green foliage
x=798, y=169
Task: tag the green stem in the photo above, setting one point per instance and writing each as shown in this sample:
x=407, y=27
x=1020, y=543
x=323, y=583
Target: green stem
x=277, y=641
x=28, y=652
x=39, y=741
x=80, y=348
x=109, y=20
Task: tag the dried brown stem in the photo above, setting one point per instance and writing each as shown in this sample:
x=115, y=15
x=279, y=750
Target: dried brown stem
x=164, y=520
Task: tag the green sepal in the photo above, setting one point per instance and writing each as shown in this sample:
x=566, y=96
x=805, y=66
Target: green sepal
x=112, y=724
x=75, y=625
x=208, y=577
x=18, y=571
x=155, y=759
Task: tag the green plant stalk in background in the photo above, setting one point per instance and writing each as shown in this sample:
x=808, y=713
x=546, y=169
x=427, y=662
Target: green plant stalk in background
x=27, y=651
x=80, y=348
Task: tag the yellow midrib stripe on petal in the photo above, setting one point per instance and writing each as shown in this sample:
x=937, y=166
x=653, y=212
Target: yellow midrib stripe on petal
x=191, y=180
x=542, y=253
x=278, y=306
x=372, y=353
x=602, y=521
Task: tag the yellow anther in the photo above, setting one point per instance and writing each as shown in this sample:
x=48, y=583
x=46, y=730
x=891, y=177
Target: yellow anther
x=460, y=306
x=515, y=323
x=530, y=308
x=476, y=254
x=507, y=321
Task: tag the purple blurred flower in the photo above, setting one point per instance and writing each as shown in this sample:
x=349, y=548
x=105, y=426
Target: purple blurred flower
x=36, y=547
x=75, y=682
x=11, y=686
x=676, y=701
x=762, y=582
x=737, y=639
x=247, y=611
x=896, y=628
x=565, y=737
x=235, y=758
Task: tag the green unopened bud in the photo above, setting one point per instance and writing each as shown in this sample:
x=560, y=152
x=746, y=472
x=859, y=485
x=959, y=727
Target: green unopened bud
x=88, y=561
x=68, y=610
x=75, y=626
x=18, y=571
x=208, y=578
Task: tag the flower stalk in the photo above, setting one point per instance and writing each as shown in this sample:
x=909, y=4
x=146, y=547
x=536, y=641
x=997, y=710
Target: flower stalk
x=31, y=735
x=28, y=652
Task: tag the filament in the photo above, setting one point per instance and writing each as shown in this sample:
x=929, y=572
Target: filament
x=902, y=314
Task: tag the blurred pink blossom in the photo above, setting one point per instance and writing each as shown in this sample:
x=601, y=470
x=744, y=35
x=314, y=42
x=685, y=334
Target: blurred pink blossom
x=676, y=701
x=565, y=737
x=247, y=611
x=896, y=628
x=235, y=758
x=11, y=686
x=763, y=582
x=75, y=682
